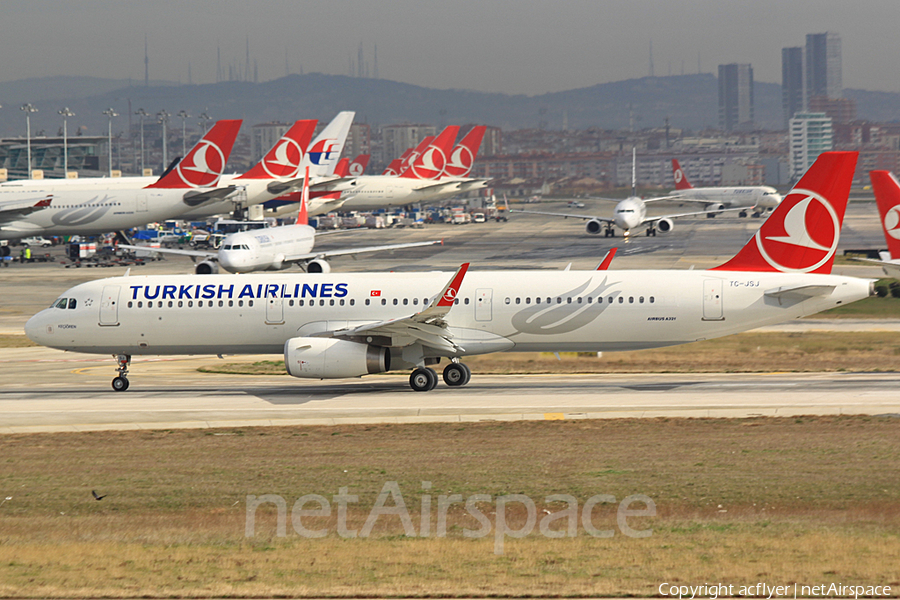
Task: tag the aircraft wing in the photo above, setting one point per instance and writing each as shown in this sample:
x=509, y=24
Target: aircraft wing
x=351, y=251
x=14, y=210
x=694, y=214
x=427, y=327
x=196, y=253
x=890, y=267
x=194, y=198
x=564, y=215
x=328, y=184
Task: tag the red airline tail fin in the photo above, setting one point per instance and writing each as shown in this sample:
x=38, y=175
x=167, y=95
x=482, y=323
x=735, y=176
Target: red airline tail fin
x=464, y=153
x=284, y=159
x=392, y=168
x=681, y=180
x=303, y=214
x=430, y=164
x=205, y=163
x=342, y=168
x=887, y=195
x=801, y=235
x=359, y=164
x=413, y=153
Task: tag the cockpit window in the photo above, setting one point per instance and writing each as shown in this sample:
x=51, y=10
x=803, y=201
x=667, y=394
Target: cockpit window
x=62, y=303
x=226, y=247
x=72, y=303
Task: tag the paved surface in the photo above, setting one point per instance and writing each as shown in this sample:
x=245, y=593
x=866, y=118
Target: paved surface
x=48, y=390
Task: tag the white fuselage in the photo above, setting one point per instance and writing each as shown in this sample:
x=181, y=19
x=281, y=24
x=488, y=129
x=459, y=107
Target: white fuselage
x=265, y=249
x=589, y=311
x=630, y=213
x=381, y=191
x=761, y=197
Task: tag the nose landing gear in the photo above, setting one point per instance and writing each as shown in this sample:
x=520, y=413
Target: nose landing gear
x=120, y=382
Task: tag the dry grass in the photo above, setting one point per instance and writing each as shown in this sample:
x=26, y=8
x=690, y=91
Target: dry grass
x=813, y=351
x=15, y=341
x=778, y=500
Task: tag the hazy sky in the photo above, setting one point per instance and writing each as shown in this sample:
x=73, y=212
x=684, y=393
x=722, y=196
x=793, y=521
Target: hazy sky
x=524, y=46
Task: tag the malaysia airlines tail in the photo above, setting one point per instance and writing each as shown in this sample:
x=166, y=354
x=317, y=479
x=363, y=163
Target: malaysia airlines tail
x=205, y=163
x=681, y=180
x=801, y=235
x=887, y=196
x=284, y=159
x=326, y=149
x=430, y=164
x=359, y=164
x=462, y=158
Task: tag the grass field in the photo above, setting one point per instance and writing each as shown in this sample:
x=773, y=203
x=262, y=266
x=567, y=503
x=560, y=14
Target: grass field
x=810, y=500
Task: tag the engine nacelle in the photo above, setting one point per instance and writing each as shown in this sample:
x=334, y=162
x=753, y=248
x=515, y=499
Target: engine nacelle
x=207, y=267
x=318, y=266
x=665, y=225
x=594, y=226
x=331, y=358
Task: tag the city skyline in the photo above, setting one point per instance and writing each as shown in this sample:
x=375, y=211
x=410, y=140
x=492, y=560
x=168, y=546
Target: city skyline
x=503, y=46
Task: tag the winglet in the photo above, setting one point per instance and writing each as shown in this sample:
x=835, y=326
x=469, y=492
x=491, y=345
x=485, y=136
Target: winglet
x=448, y=295
x=43, y=203
x=604, y=266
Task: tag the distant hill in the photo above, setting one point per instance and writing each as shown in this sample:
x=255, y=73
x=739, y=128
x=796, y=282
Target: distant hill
x=690, y=101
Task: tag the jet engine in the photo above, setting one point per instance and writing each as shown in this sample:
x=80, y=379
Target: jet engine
x=594, y=226
x=331, y=358
x=318, y=266
x=207, y=267
x=713, y=207
x=665, y=225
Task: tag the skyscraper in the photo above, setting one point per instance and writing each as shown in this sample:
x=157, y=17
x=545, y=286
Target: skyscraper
x=792, y=87
x=735, y=96
x=823, y=65
x=810, y=135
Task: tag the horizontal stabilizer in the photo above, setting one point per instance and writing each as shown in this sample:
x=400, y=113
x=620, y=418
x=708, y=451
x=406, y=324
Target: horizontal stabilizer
x=800, y=291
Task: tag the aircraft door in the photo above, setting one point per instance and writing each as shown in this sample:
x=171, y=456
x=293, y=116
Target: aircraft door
x=142, y=203
x=712, y=300
x=109, y=305
x=274, y=311
x=483, y=304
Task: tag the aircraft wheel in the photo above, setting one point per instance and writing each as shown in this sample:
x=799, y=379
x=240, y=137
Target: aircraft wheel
x=456, y=374
x=422, y=380
x=120, y=384
x=743, y=214
x=434, y=377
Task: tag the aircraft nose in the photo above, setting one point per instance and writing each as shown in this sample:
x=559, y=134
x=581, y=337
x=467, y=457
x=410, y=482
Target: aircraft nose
x=35, y=328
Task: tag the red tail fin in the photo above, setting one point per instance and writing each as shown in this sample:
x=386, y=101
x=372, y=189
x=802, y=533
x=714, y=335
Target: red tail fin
x=414, y=153
x=342, y=168
x=303, y=214
x=284, y=159
x=393, y=167
x=463, y=156
x=205, y=163
x=359, y=164
x=430, y=164
x=887, y=195
x=801, y=235
x=681, y=180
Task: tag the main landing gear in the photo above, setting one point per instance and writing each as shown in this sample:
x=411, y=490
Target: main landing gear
x=610, y=231
x=120, y=382
x=425, y=379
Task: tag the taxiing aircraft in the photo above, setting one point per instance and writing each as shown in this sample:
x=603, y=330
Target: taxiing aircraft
x=630, y=213
x=91, y=211
x=353, y=324
x=755, y=198
x=887, y=196
x=274, y=248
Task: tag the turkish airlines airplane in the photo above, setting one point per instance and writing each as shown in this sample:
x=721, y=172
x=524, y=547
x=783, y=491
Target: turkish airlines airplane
x=630, y=213
x=359, y=164
x=353, y=324
x=91, y=211
x=274, y=248
x=758, y=198
x=887, y=196
x=425, y=179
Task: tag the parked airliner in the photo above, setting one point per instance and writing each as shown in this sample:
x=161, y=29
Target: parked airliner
x=755, y=198
x=275, y=248
x=352, y=324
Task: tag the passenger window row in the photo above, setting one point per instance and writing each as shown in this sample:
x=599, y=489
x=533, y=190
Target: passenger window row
x=583, y=300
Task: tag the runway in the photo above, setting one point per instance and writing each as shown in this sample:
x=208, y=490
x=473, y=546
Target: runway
x=45, y=390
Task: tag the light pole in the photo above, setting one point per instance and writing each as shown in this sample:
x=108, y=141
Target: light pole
x=28, y=108
x=163, y=117
x=142, y=113
x=206, y=119
x=109, y=112
x=66, y=113
x=183, y=114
